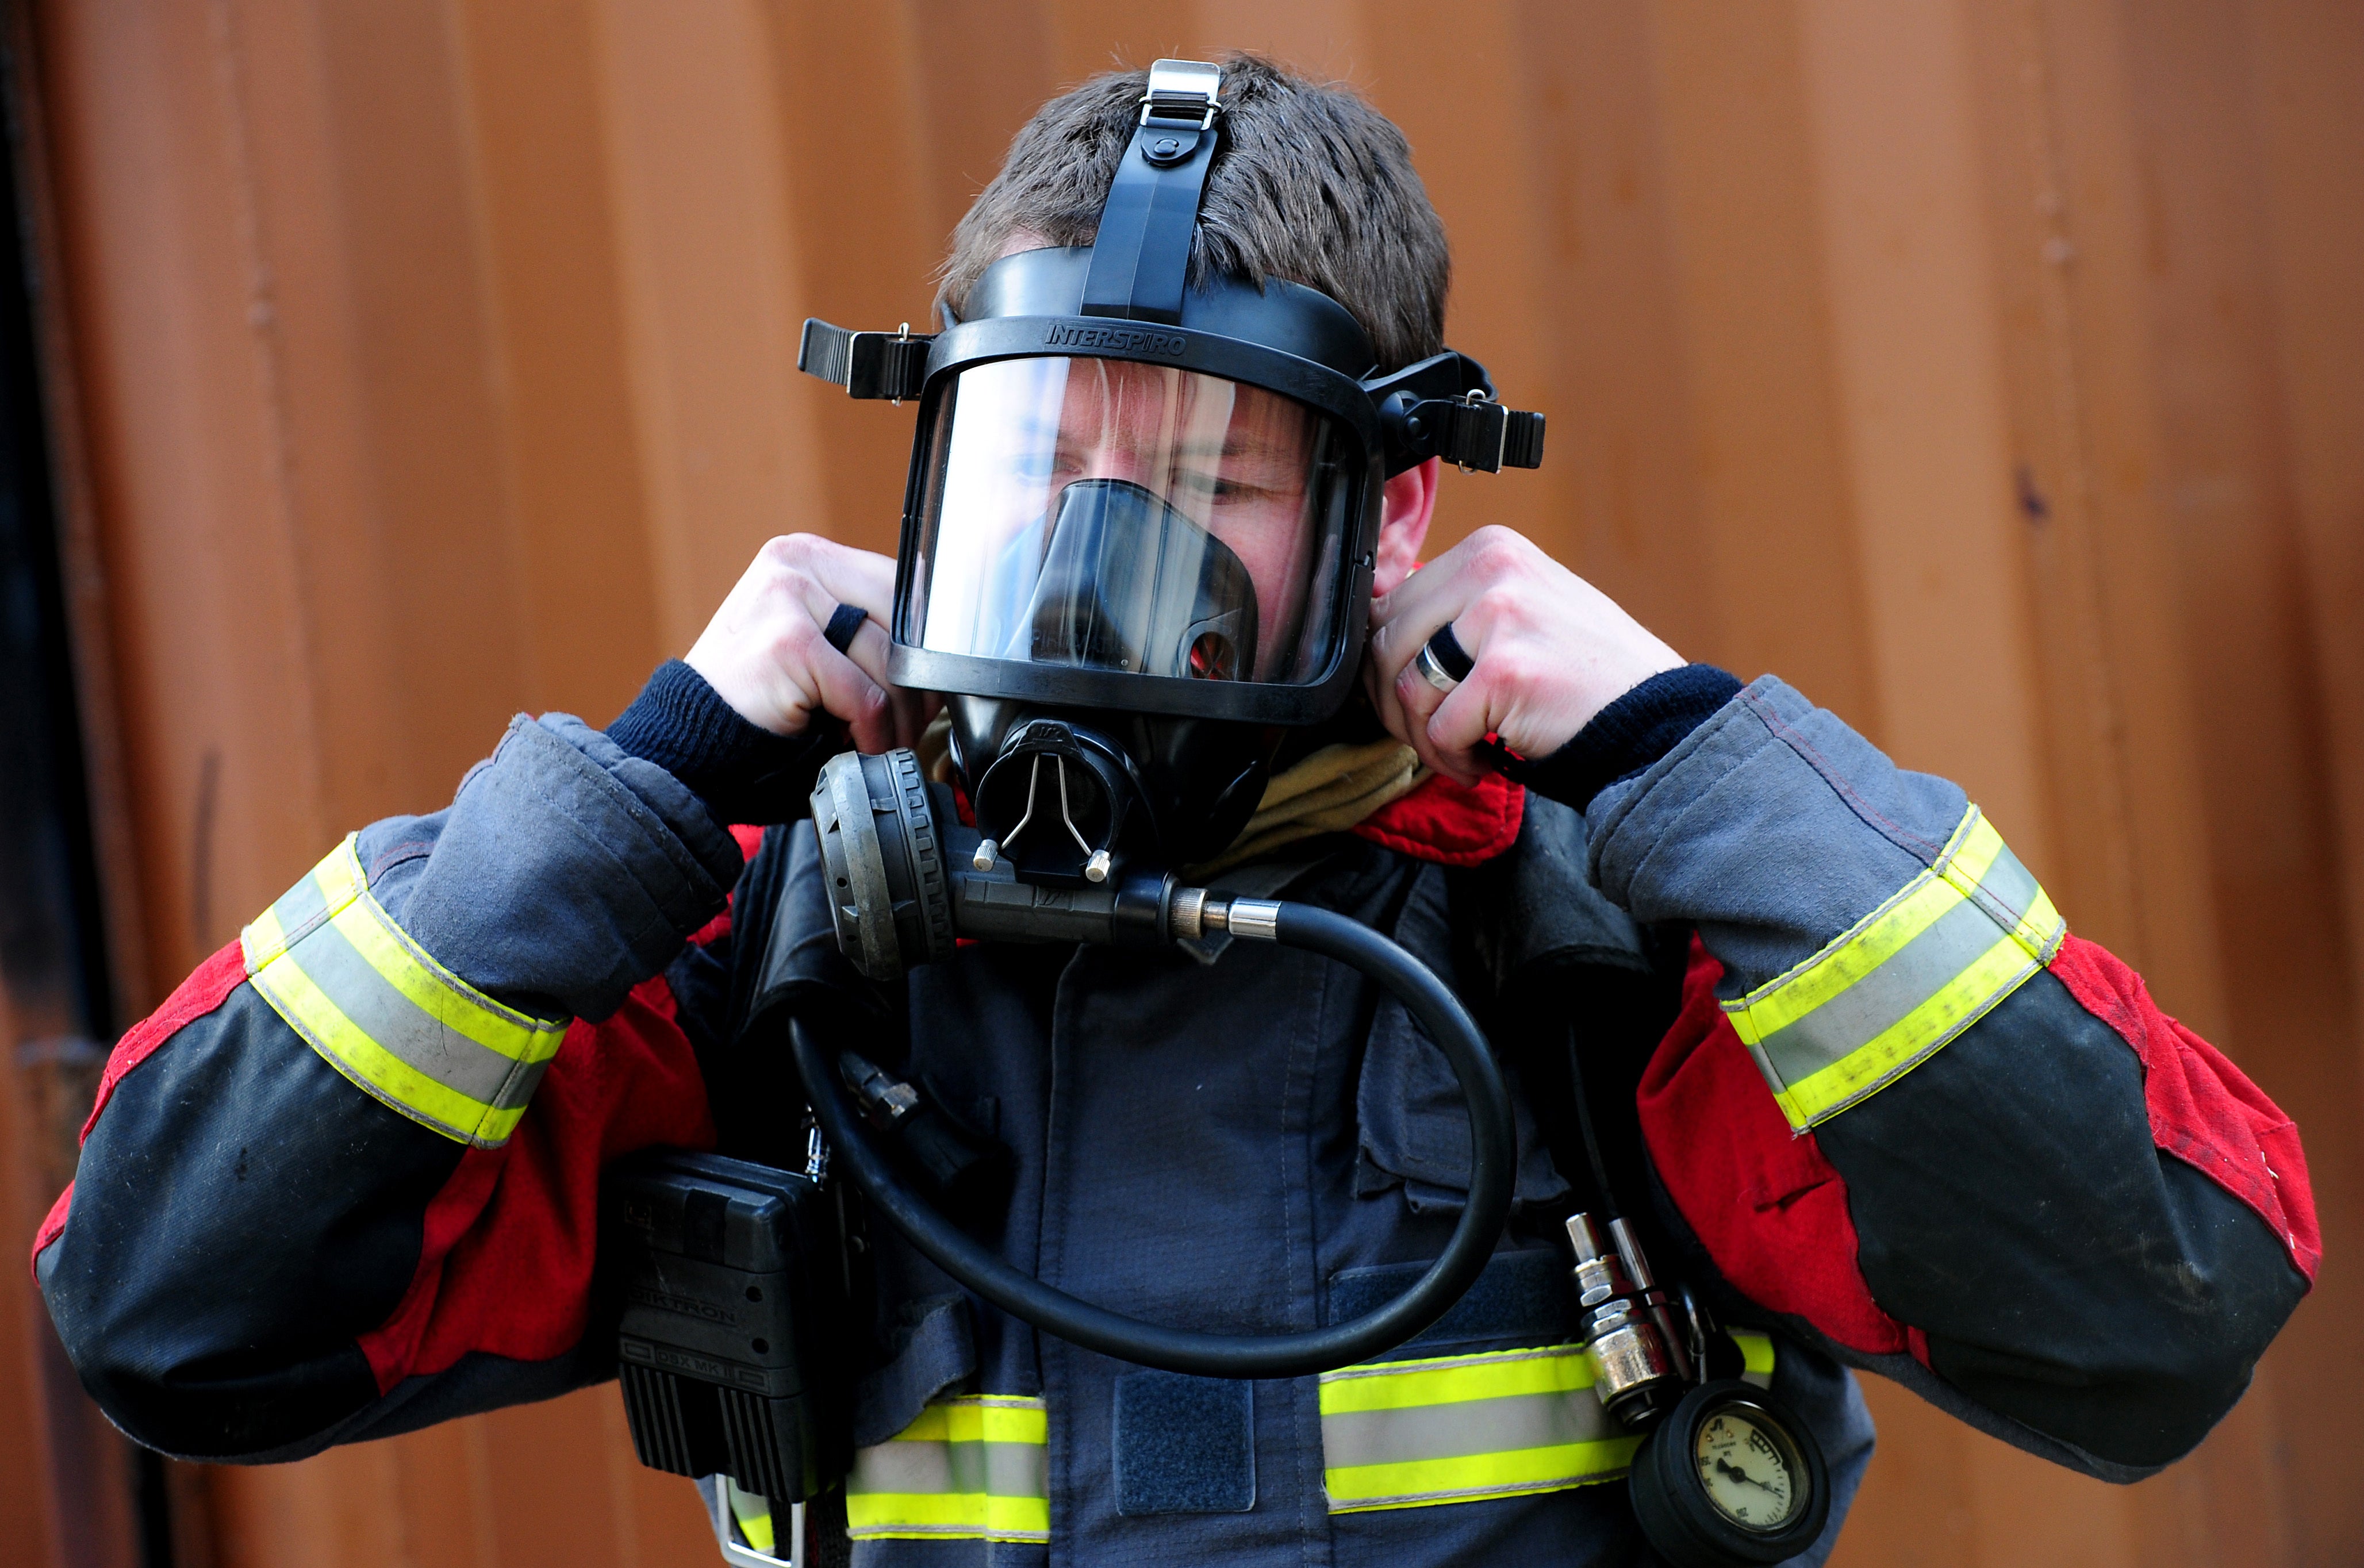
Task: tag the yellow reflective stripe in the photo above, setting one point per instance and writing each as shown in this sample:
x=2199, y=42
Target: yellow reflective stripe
x=371, y=1067
x=436, y=992
x=384, y=1013
x=1879, y=937
x=1455, y=1428
x=1445, y=1380
x=753, y=1513
x=980, y=1418
x=1417, y=1483
x=973, y=1467
x=1889, y=992
x=1912, y=1038
x=937, y=1516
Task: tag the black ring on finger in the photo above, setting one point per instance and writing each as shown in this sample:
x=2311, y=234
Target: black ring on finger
x=844, y=622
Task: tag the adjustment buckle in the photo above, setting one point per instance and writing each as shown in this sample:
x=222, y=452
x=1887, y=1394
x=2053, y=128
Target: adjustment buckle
x=1467, y=438
x=1485, y=437
x=892, y=365
x=1444, y=407
x=1183, y=89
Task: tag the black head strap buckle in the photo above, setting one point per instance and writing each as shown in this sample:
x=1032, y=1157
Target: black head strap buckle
x=1444, y=407
x=1141, y=257
x=893, y=365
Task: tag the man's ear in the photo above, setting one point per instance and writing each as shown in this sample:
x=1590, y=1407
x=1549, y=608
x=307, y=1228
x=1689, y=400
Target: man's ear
x=1406, y=507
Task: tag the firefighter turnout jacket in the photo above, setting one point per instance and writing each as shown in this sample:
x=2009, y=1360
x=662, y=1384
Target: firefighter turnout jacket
x=1870, y=1093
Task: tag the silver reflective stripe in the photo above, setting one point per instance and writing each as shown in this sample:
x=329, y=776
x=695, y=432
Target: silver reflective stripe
x=301, y=909
x=1883, y=995
x=372, y=1004
x=1007, y=1470
x=1450, y=1431
x=1882, y=998
x=380, y=1009
x=2007, y=889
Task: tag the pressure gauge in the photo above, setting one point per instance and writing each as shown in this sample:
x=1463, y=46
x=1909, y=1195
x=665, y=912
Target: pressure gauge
x=1730, y=1476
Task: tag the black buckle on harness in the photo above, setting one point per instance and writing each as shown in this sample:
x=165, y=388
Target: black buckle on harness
x=1444, y=407
x=891, y=365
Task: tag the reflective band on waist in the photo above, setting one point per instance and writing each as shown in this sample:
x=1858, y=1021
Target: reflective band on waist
x=1884, y=996
x=1756, y=1356
x=974, y=1467
x=1455, y=1428
x=380, y=1010
x=753, y=1514
x=1461, y=1428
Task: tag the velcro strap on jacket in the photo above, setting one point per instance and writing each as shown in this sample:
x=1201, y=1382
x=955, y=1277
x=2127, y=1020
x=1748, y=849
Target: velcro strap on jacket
x=380, y=1010
x=1886, y=995
x=975, y=1467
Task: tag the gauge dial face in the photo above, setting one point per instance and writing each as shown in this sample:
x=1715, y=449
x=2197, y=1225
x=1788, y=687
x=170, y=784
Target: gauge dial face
x=1747, y=1468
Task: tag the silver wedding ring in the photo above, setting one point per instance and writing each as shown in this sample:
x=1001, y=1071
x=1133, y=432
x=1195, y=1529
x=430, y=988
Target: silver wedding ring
x=1434, y=673
x=1443, y=662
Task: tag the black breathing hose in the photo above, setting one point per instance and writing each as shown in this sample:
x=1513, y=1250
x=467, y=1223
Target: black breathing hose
x=1493, y=1144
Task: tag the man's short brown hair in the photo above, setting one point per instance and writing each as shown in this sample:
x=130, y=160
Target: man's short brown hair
x=1310, y=184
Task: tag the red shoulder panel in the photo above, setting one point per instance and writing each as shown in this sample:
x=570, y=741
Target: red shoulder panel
x=1769, y=1209
x=2203, y=1110
x=207, y=988
x=1443, y=822
x=53, y=1223
x=506, y=1263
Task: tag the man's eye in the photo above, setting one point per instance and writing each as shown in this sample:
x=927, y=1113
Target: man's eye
x=1218, y=488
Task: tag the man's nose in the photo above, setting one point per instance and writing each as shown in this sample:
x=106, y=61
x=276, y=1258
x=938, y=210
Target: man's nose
x=1111, y=461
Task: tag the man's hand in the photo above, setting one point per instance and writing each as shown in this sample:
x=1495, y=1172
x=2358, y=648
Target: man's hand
x=1550, y=650
x=765, y=653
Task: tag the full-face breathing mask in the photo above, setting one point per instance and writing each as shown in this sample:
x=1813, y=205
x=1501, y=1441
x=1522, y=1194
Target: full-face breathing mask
x=1138, y=544
x=1141, y=517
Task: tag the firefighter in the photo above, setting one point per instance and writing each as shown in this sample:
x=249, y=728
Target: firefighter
x=1869, y=1094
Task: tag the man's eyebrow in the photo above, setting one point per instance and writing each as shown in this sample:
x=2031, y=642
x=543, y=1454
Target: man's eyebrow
x=1237, y=446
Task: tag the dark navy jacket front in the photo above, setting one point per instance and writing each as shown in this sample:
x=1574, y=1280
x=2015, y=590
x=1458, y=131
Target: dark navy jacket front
x=2067, y=1220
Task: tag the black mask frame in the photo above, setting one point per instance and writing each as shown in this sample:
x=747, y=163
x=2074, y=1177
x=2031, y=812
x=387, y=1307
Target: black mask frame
x=1125, y=298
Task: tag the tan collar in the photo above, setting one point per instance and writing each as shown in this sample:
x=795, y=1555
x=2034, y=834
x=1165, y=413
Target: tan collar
x=1328, y=792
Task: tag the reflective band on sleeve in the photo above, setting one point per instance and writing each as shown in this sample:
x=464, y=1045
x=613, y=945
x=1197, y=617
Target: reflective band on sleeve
x=1884, y=996
x=380, y=1010
x=1457, y=1428
x=975, y=1467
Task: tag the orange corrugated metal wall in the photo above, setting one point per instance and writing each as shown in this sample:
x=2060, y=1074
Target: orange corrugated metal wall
x=1993, y=369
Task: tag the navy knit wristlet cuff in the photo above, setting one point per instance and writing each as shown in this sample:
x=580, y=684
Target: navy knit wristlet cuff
x=1631, y=733
x=743, y=771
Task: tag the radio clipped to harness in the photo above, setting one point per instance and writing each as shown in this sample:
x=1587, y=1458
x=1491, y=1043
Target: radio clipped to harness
x=729, y=1293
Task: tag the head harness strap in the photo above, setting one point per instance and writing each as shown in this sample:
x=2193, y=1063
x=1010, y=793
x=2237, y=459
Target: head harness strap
x=1142, y=254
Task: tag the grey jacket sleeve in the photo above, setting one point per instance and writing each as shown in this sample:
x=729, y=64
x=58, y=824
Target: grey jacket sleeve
x=1907, y=1109
x=247, y=1269
x=563, y=875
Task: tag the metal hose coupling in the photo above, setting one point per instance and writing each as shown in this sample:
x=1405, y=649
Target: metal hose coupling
x=906, y=878
x=1639, y=1367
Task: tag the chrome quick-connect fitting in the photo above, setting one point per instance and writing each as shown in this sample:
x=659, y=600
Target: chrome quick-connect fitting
x=1639, y=1368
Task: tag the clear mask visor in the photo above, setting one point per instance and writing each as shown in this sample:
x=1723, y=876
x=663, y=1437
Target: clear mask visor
x=1115, y=515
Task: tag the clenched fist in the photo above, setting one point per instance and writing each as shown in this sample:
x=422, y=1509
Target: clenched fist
x=765, y=653
x=1550, y=651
